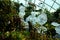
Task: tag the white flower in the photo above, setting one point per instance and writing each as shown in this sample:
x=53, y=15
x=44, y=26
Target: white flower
x=57, y=27
x=55, y=24
x=32, y=19
x=22, y=11
x=34, y=13
x=29, y=18
x=42, y=28
x=42, y=18
x=57, y=30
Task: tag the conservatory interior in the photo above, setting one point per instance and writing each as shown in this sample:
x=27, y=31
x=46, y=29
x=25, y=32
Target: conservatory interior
x=29, y=19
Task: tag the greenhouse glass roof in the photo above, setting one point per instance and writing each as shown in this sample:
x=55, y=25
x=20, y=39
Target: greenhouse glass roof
x=51, y=5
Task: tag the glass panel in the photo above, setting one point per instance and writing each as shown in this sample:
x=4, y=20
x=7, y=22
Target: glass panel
x=49, y=2
x=55, y=6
